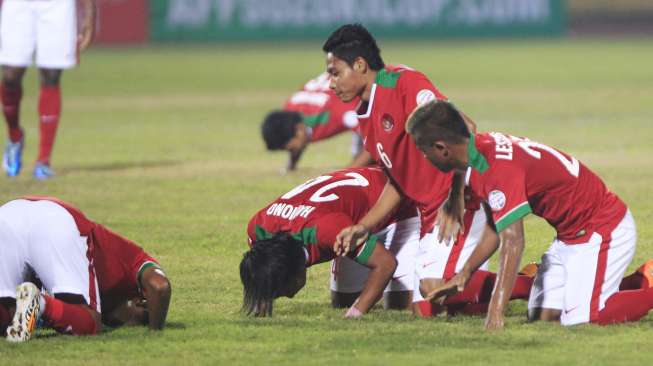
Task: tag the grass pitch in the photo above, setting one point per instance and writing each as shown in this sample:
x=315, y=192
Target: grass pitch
x=162, y=144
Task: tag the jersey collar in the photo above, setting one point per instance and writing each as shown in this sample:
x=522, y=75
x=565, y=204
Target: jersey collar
x=475, y=159
x=368, y=112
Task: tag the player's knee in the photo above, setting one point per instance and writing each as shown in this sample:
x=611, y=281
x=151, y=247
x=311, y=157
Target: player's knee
x=50, y=77
x=549, y=315
x=12, y=77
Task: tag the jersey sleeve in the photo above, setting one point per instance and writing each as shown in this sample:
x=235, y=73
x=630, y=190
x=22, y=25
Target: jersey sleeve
x=417, y=89
x=328, y=227
x=128, y=253
x=505, y=189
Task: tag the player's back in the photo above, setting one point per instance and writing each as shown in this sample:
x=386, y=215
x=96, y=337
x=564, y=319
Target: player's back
x=116, y=259
x=349, y=191
x=558, y=187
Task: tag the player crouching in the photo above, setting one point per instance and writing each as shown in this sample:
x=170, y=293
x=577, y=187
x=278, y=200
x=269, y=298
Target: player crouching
x=90, y=274
x=299, y=230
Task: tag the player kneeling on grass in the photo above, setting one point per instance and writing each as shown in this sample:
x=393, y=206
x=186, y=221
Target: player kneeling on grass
x=580, y=275
x=90, y=274
x=299, y=230
x=312, y=114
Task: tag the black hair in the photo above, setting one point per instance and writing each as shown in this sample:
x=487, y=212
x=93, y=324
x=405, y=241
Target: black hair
x=278, y=128
x=437, y=120
x=266, y=268
x=351, y=41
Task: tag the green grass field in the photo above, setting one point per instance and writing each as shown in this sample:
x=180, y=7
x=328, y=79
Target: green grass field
x=162, y=144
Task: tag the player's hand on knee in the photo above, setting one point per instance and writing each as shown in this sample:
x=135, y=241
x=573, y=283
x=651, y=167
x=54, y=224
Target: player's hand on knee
x=350, y=238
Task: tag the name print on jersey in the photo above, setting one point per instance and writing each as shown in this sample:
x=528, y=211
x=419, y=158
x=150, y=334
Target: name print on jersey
x=288, y=211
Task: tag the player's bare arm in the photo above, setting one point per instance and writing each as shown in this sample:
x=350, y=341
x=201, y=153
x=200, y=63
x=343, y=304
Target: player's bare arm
x=157, y=292
x=382, y=265
x=87, y=28
x=353, y=236
x=510, y=252
x=450, y=215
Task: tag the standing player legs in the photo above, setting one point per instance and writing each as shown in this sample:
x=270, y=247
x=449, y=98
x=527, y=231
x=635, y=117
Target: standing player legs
x=12, y=92
x=56, y=49
x=49, y=113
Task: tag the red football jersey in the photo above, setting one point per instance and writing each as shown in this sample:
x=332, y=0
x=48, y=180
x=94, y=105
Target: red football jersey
x=118, y=261
x=395, y=94
x=324, y=114
x=517, y=176
x=316, y=211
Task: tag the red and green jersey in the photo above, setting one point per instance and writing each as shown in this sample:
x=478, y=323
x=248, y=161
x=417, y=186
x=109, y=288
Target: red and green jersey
x=394, y=95
x=323, y=113
x=118, y=261
x=316, y=211
x=517, y=176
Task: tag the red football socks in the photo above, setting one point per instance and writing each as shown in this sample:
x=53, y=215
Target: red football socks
x=49, y=112
x=634, y=281
x=625, y=306
x=427, y=309
x=11, y=107
x=5, y=318
x=69, y=318
x=480, y=286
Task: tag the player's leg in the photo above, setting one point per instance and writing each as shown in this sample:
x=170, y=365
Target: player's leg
x=17, y=44
x=347, y=281
x=546, y=299
x=56, y=50
x=438, y=262
x=7, y=308
x=640, y=279
x=63, y=261
x=613, y=306
x=402, y=240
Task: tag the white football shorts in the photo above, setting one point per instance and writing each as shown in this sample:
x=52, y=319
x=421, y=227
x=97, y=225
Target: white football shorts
x=579, y=278
x=443, y=260
x=43, y=236
x=401, y=239
x=47, y=27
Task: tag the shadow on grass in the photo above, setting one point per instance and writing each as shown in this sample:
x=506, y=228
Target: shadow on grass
x=117, y=166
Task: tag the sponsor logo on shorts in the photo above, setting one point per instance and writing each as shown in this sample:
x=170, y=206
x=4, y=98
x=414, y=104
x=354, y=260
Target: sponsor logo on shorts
x=424, y=96
x=496, y=200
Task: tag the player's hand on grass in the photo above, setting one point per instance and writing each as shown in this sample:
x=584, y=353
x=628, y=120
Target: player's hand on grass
x=493, y=322
x=350, y=238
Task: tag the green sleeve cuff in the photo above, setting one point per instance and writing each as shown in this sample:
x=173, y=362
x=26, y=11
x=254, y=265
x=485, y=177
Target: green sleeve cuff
x=368, y=248
x=145, y=266
x=513, y=215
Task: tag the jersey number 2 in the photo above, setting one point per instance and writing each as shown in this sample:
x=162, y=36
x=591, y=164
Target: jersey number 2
x=320, y=195
x=571, y=164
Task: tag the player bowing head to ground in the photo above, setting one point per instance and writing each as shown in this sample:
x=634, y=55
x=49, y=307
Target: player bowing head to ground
x=298, y=230
x=91, y=274
x=310, y=115
x=579, y=279
x=388, y=95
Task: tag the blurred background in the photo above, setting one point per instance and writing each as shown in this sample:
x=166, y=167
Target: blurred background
x=143, y=21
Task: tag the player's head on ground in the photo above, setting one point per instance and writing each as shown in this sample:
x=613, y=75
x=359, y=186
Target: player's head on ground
x=352, y=60
x=440, y=132
x=272, y=268
x=284, y=130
